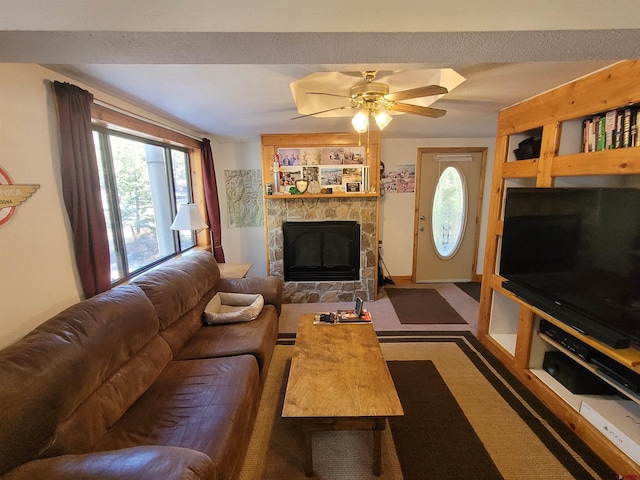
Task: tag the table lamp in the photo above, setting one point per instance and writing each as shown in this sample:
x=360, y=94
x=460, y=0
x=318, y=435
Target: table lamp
x=189, y=218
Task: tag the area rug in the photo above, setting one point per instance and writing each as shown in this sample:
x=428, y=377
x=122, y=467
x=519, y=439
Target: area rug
x=422, y=306
x=469, y=418
x=470, y=288
x=434, y=428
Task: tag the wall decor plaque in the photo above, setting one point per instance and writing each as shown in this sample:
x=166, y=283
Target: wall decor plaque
x=12, y=195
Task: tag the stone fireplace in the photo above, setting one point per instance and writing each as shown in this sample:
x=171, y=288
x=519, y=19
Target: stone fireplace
x=293, y=209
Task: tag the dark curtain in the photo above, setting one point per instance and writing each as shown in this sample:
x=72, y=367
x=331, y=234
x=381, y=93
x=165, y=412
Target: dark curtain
x=81, y=188
x=211, y=197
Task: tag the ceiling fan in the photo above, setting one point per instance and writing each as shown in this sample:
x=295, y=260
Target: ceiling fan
x=372, y=98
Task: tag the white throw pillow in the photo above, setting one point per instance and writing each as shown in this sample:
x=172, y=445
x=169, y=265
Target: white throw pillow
x=227, y=307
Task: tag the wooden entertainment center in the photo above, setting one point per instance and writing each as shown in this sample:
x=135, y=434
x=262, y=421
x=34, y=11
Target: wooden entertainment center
x=508, y=326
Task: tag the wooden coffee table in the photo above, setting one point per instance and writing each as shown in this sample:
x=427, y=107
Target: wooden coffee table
x=339, y=380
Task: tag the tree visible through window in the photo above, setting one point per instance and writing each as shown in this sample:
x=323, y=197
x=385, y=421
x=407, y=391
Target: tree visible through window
x=142, y=183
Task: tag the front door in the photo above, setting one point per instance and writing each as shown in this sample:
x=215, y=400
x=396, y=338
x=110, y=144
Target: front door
x=447, y=214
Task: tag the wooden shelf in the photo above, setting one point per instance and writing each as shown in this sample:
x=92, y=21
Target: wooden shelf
x=509, y=332
x=621, y=161
x=284, y=196
x=629, y=357
x=520, y=169
x=592, y=368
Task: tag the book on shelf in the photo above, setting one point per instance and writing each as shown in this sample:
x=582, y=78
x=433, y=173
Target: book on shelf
x=626, y=128
x=587, y=126
x=610, y=123
x=618, y=133
x=613, y=129
x=601, y=134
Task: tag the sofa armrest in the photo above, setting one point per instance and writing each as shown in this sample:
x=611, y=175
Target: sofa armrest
x=269, y=287
x=135, y=463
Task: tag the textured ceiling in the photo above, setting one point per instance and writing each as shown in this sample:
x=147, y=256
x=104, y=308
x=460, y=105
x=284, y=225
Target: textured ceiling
x=223, y=69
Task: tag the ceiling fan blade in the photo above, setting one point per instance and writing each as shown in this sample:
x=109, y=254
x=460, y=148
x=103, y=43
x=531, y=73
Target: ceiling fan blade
x=418, y=110
x=321, y=111
x=425, y=91
x=328, y=94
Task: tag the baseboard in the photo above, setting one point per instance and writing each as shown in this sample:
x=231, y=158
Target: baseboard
x=402, y=279
x=407, y=280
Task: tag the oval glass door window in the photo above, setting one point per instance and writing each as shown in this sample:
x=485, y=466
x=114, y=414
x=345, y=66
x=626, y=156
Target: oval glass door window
x=449, y=213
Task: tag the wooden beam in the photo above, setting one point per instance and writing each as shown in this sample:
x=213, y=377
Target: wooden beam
x=595, y=93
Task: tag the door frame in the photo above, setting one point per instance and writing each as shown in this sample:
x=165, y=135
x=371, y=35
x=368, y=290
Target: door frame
x=449, y=150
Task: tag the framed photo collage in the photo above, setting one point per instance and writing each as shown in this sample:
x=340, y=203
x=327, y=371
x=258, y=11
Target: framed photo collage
x=342, y=169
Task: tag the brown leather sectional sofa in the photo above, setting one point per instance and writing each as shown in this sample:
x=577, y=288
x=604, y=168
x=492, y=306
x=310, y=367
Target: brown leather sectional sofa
x=131, y=385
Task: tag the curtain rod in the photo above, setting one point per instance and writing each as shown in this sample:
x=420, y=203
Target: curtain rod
x=110, y=106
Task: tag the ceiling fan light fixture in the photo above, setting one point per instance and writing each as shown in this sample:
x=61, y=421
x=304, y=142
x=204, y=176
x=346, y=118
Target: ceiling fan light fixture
x=382, y=119
x=360, y=121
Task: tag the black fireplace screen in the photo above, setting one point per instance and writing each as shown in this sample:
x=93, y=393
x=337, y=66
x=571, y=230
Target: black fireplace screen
x=321, y=250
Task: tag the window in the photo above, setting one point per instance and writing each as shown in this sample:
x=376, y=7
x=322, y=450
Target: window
x=449, y=214
x=142, y=183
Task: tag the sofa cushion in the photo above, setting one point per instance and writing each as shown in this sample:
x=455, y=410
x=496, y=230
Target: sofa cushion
x=179, y=291
x=257, y=338
x=269, y=287
x=139, y=463
x=68, y=380
x=207, y=405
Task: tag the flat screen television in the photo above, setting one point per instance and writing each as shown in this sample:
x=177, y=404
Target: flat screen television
x=574, y=253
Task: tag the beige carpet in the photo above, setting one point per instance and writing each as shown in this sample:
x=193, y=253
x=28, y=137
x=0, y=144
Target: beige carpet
x=275, y=451
x=385, y=318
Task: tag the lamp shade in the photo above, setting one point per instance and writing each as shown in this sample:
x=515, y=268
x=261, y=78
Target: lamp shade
x=382, y=119
x=360, y=121
x=188, y=218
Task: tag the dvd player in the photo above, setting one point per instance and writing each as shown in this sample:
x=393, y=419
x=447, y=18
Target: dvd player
x=624, y=377
x=558, y=335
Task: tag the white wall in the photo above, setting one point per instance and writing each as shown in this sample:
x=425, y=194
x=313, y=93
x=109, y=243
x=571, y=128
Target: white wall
x=38, y=275
x=246, y=244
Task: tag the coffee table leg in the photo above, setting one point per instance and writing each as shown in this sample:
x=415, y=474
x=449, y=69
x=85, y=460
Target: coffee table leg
x=308, y=454
x=377, y=452
x=378, y=427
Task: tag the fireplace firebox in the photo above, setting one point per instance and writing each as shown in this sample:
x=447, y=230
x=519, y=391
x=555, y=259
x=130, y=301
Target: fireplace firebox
x=318, y=251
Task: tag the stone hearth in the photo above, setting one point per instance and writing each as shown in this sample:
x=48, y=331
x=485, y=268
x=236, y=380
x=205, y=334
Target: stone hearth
x=362, y=210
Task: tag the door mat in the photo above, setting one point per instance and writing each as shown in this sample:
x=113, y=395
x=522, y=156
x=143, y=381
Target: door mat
x=422, y=306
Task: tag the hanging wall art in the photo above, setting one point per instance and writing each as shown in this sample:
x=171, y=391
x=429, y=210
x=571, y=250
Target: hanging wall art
x=12, y=195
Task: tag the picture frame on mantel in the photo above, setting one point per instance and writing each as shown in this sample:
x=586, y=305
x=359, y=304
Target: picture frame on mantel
x=311, y=154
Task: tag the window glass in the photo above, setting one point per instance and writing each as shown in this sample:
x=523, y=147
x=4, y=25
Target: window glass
x=448, y=217
x=132, y=175
x=182, y=186
x=116, y=269
x=142, y=183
